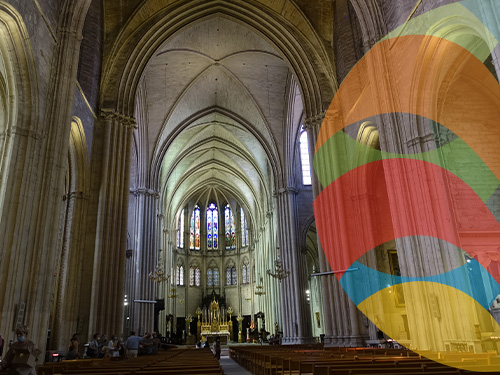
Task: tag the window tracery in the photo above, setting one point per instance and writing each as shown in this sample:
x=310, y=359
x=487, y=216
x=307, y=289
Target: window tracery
x=230, y=228
x=244, y=229
x=180, y=275
x=212, y=227
x=194, y=232
x=180, y=231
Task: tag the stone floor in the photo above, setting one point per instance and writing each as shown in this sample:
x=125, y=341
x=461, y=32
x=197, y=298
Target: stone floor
x=229, y=366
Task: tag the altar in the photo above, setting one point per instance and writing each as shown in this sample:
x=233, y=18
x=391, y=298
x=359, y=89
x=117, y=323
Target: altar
x=214, y=323
x=210, y=337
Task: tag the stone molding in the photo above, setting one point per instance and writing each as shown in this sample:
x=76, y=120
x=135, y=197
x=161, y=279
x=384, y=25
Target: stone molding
x=314, y=121
x=146, y=192
x=286, y=190
x=111, y=114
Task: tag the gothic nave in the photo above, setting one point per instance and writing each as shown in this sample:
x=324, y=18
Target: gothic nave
x=157, y=155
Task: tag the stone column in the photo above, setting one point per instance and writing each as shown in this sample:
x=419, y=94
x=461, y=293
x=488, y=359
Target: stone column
x=32, y=185
x=341, y=316
x=144, y=259
x=295, y=313
x=113, y=166
x=312, y=126
x=71, y=313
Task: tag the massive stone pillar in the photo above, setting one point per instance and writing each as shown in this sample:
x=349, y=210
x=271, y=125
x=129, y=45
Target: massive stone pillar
x=33, y=169
x=342, y=318
x=312, y=126
x=111, y=158
x=71, y=312
x=144, y=260
x=295, y=312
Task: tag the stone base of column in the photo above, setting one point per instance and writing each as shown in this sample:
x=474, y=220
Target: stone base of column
x=331, y=341
x=357, y=341
x=291, y=340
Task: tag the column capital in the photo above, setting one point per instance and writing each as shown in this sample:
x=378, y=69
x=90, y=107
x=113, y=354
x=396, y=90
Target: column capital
x=110, y=114
x=286, y=190
x=146, y=192
x=314, y=121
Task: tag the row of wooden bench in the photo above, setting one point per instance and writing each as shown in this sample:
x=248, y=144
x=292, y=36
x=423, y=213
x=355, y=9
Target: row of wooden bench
x=174, y=361
x=309, y=360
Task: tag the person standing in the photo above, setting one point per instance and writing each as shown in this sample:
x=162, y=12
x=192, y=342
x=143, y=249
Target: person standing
x=217, y=347
x=132, y=345
x=24, y=344
x=73, y=352
x=114, y=347
x=147, y=344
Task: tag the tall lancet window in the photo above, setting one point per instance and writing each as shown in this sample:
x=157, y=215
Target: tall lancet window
x=191, y=276
x=212, y=227
x=194, y=276
x=197, y=276
x=304, y=158
x=244, y=229
x=234, y=276
x=180, y=232
x=230, y=227
x=216, y=276
x=245, y=274
x=194, y=231
x=210, y=277
x=180, y=275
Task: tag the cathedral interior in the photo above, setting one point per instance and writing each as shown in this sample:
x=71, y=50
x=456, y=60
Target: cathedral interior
x=165, y=166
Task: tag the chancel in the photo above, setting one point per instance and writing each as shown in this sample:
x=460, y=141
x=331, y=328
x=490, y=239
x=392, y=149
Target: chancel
x=258, y=171
x=215, y=323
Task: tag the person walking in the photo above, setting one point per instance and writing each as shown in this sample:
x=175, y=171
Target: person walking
x=216, y=347
x=21, y=345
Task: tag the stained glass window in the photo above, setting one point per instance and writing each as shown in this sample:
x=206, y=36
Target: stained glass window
x=230, y=228
x=210, y=279
x=194, y=232
x=228, y=276
x=197, y=275
x=180, y=232
x=191, y=276
x=304, y=158
x=191, y=232
x=216, y=277
x=180, y=275
x=244, y=229
x=212, y=227
x=234, y=276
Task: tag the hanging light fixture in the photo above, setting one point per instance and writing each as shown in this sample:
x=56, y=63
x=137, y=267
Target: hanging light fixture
x=158, y=275
x=279, y=272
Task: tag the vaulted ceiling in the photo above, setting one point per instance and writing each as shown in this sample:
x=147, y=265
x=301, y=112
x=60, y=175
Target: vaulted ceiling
x=212, y=109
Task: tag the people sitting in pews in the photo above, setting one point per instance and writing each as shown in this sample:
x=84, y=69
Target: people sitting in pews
x=93, y=348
